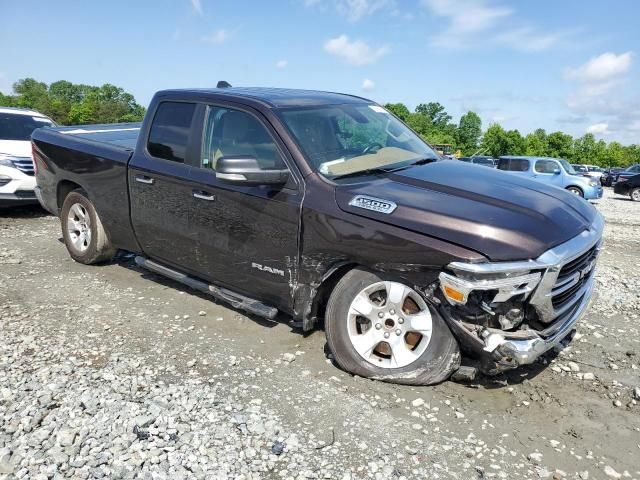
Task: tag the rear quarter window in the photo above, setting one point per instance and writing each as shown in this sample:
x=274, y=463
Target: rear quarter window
x=513, y=164
x=170, y=129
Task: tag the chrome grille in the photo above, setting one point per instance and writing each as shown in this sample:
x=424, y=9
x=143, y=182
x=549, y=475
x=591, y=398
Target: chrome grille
x=571, y=278
x=24, y=164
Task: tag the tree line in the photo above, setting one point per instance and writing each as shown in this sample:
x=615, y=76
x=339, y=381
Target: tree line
x=433, y=123
x=78, y=104
x=75, y=104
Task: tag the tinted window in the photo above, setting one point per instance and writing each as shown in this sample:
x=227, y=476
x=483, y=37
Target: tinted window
x=20, y=127
x=546, y=166
x=169, y=134
x=232, y=133
x=513, y=164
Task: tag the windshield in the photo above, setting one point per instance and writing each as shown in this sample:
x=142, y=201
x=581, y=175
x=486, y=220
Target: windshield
x=567, y=167
x=341, y=140
x=20, y=127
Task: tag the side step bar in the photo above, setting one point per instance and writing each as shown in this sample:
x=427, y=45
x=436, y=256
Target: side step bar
x=235, y=299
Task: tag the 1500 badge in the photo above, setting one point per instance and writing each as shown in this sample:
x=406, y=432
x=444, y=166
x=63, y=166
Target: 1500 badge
x=373, y=203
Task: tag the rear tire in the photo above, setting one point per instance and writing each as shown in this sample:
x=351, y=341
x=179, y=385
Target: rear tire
x=382, y=329
x=576, y=191
x=634, y=194
x=83, y=233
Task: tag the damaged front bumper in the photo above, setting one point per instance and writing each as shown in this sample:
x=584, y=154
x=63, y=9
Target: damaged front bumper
x=549, y=305
x=525, y=346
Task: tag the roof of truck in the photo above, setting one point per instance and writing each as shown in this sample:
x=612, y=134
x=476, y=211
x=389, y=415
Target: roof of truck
x=22, y=111
x=277, y=97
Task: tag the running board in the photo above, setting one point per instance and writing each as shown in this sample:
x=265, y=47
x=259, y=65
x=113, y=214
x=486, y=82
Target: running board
x=235, y=299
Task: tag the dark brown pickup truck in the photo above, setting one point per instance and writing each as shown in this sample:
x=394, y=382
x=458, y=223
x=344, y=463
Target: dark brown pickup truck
x=327, y=208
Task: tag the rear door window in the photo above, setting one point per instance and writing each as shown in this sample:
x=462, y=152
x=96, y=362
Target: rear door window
x=546, y=166
x=170, y=130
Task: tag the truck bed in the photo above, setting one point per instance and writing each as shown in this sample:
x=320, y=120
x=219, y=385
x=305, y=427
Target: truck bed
x=121, y=134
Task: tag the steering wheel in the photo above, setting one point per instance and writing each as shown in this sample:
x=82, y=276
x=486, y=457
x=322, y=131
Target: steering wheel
x=371, y=147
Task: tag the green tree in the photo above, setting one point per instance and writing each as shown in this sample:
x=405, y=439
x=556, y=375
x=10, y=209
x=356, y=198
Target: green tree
x=495, y=141
x=616, y=154
x=584, y=149
x=400, y=110
x=560, y=145
x=517, y=144
x=468, y=133
x=435, y=112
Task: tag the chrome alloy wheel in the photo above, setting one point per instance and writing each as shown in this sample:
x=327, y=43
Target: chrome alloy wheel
x=79, y=227
x=389, y=325
x=635, y=194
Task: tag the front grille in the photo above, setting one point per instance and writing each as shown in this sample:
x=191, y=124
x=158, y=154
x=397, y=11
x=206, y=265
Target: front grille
x=571, y=279
x=25, y=165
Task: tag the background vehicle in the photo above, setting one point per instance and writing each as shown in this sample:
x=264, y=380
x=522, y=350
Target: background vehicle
x=628, y=186
x=594, y=171
x=17, y=180
x=552, y=171
x=480, y=160
x=326, y=206
x=608, y=175
x=628, y=172
x=580, y=169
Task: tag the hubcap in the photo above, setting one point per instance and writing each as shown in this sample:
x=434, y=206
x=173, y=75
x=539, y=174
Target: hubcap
x=635, y=195
x=389, y=325
x=79, y=227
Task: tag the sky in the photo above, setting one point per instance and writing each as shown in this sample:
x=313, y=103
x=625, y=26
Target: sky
x=569, y=65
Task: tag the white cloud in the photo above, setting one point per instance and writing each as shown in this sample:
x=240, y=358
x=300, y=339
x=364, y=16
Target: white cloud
x=197, y=6
x=601, y=68
x=368, y=85
x=474, y=23
x=217, y=38
x=355, y=10
x=355, y=52
x=598, y=128
x=281, y=63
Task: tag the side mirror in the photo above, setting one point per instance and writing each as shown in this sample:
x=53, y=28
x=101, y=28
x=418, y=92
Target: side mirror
x=556, y=171
x=245, y=170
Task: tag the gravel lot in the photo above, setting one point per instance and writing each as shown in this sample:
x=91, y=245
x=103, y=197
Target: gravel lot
x=112, y=372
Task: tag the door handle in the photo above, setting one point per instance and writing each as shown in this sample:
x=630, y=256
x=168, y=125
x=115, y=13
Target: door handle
x=204, y=196
x=144, y=179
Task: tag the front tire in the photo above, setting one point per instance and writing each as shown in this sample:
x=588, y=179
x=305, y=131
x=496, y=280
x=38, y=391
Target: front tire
x=576, y=191
x=382, y=329
x=634, y=194
x=83, y=233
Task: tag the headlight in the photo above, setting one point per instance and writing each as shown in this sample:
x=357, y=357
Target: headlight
x=456, y=289
x=6, y=160
x=593, y=184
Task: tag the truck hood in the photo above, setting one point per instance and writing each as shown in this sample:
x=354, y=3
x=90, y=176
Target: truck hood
x=19, y=148
x=498, y=214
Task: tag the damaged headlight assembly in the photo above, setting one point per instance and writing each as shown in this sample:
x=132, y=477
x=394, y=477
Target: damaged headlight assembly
x=490, y=291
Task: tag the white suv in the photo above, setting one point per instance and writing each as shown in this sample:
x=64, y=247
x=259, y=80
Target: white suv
x=17, y=180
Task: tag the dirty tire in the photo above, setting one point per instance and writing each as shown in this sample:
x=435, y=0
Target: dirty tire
x=634, y=194
x=576, y=191
x=435, y=364
x=99, y=249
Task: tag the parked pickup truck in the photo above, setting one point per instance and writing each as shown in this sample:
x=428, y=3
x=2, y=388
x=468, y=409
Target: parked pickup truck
x=326, y=207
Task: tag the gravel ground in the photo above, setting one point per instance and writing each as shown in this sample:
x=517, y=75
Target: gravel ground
x=112, y=372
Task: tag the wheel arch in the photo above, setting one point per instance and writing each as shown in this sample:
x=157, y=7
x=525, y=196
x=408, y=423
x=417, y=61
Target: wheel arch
x=64, y=188
x=576, y=187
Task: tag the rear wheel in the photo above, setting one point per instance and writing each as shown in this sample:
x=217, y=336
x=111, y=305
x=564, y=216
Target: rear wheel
x=635, y=194
x=82, y=230
x=576, y=191
x=383, y=329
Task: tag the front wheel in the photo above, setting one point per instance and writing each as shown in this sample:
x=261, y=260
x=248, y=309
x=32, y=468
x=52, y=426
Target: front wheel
x=576, y=191
x=382, y=329
x=83, y=233
x=635, y=194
